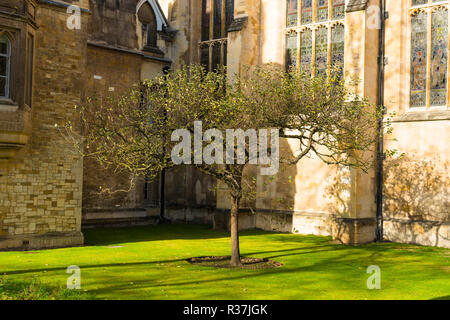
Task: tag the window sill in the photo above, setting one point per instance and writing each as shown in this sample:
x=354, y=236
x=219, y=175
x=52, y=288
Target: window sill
x=8, y=105
x=417, y=116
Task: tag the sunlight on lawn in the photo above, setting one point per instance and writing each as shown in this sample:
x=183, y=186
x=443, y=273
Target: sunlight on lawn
x=150, y=263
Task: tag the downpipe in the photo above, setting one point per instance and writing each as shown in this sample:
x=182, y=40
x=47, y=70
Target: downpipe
x=380, y=102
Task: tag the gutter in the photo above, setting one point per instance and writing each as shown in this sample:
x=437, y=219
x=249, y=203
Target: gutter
x=380, y=102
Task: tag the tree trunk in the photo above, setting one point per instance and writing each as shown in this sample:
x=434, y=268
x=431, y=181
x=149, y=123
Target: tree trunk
x=234, y=226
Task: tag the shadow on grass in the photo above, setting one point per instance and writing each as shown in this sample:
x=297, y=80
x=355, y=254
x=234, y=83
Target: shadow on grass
x=111, y=236
x=442, y=298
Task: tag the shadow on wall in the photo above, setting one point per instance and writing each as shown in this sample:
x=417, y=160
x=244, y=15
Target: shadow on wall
x=417, y=201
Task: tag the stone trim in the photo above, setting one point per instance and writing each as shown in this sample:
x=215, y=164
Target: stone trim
x=62, y=5
x=357, y=5
x=108, y=47
x=436, y=115
x=44, y=241
x=237, y=24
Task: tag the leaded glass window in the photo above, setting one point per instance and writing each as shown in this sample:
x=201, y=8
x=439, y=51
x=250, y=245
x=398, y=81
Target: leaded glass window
x=291, y=50
x=321, y=10
x=307, y=11
x=292, y=13
x=321, y=50
x=337, y=47
x=306, y=51
x=217, y=15
x=319, y=28
x=429, y=54
x=419, y=59
x=439, y=57
x=338, y=9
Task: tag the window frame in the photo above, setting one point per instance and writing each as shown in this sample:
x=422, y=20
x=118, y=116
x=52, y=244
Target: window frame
x=8, y=65
x=212, y=42
x=428, y=8
x=313, y=26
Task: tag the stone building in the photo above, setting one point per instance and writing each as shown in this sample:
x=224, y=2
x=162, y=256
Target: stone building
x=398, y=49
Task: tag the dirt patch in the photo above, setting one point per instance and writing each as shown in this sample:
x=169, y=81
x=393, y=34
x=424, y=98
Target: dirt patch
x=225, y=262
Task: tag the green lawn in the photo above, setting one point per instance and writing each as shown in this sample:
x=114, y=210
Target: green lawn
x=149, y=263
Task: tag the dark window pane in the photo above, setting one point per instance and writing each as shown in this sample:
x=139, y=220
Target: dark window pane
x=3, y=66
x=216, y=57
x=206, y=15
x=217, y=19
x=29, y=83
x=2, y=87
x=204, y=57
x=229, y=12
x=3, y=47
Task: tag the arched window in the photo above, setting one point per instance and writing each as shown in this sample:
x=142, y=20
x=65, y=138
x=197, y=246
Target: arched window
x=149, y=27
x=429, y=54
x=319, y=26
x=5, y=66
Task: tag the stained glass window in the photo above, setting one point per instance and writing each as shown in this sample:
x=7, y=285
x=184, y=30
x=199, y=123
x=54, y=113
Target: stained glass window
x=321, y=10
x=337, y=47
x=338, y=9
x=307, y=11
x=439, y=57
x=306, y=51
x=321, y=62
x=321, y=27
x=291, y=50
x=292, y=13
x=419, y=59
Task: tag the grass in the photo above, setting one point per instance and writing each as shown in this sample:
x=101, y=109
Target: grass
x=149, y=263
x=34, y=290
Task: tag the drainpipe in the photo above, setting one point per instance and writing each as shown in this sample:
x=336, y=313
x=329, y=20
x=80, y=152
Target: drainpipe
x=380, y=102
x=162, y=196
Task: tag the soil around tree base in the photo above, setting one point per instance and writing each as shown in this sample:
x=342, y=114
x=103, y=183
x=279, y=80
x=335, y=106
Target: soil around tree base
x=225, y=262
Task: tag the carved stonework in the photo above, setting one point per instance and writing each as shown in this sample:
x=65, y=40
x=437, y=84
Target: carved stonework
x=237, y=24
x=357, y=5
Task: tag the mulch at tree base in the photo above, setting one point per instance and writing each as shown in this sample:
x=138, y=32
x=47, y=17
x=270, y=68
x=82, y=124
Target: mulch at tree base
x=225, y=262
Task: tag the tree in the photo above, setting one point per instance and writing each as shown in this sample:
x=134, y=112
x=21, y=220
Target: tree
x=185, y=116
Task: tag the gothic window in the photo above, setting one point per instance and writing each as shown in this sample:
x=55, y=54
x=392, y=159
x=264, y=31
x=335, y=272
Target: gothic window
x=217, y=16
x=149, y=28
x=5, y=65
x=319, y=28
x=429, y=54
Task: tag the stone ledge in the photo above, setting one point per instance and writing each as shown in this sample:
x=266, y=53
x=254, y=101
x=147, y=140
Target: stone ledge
x=237, y=24
x=44, y=241
x=356, y=5
x=437, y=115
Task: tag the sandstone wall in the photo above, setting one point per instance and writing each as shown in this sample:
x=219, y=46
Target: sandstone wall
x=40, y=188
